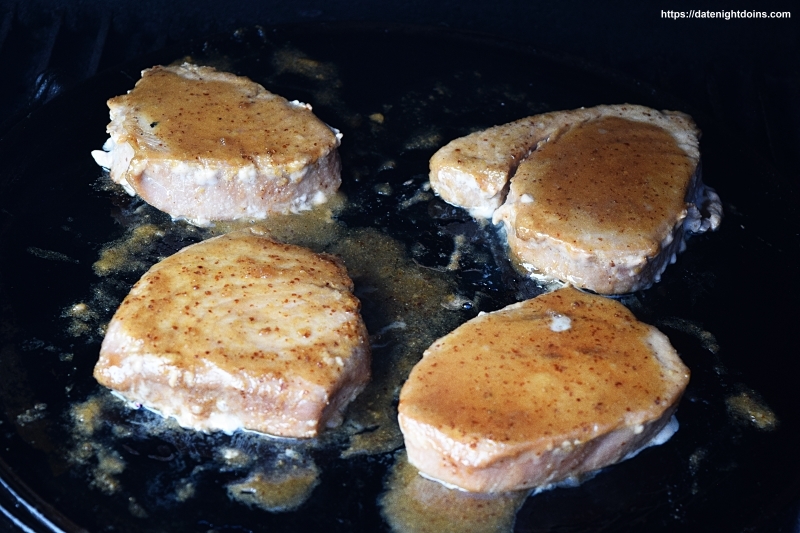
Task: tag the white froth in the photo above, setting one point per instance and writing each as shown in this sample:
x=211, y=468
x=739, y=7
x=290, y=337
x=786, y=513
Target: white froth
x=560, y=323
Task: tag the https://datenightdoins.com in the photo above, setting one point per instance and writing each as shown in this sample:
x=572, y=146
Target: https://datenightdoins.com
x=725, y=15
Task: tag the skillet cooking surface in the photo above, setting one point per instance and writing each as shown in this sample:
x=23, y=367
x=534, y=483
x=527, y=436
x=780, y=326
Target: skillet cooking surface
x=86, y=461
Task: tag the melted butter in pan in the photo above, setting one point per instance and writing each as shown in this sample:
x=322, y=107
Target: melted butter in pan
x=413, y=504
x=275, y=475
x=120, y=256
x=402, y=308
x=104, y=463
x=748, y=408
x=283, y=488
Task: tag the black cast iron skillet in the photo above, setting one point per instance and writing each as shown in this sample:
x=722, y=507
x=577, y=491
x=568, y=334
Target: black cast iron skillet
x=727, y=305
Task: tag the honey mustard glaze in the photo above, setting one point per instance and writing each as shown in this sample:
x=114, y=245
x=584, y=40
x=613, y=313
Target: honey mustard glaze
x=526, y=381
x=414, y=504
x=605, y=177
x=192, y=338
x=196, y=119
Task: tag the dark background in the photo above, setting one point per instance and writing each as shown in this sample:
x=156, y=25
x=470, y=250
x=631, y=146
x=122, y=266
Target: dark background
x=740, y=75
